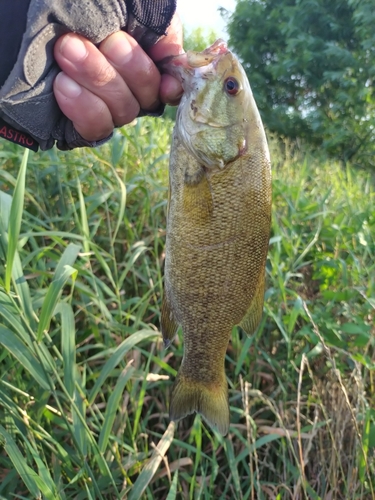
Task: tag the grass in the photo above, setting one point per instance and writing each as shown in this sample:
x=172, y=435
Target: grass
x=85, y=381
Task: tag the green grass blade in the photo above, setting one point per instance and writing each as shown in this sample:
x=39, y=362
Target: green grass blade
x=243, y=354
x=11, y=477
x=28, y=476
x=112, y=406
x=117, y=357
x=5, y=205
x=89, y=496
x=20, y=284
x=137, y=252
x=44, y=481
x=63, y=272
x=68, y=348
x=104, y=265
x=258, y=444
x=140, y=401
x=172, y=494
x=152, y=465
x=15, y=218
x=68, y=258
x=79, y=425
x=228, y=446
x=58, y=235
x=363, y=453
x=23, y=355
x=10, y=314
x=84, y=221
x=23, y=291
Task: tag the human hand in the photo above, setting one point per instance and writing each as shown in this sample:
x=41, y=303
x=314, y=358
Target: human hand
x=103, y=87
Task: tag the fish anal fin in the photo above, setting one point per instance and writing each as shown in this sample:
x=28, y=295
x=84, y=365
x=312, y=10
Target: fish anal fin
x=254, y=314
x=168, y=324
x=211, y=401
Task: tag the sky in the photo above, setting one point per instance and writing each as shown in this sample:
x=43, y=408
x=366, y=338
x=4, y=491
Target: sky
x=204, y=13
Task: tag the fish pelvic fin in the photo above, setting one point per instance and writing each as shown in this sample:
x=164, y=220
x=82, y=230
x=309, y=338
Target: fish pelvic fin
x=210, y=400
x=167, y=323
x=253, y=316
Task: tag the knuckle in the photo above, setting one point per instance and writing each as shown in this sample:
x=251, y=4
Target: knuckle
x=127, y=114
x=103, y=75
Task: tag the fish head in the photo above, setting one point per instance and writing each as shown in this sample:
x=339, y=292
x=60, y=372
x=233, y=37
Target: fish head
x=217, y=114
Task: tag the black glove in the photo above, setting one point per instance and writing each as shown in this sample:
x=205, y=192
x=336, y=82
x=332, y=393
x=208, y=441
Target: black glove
x=27, y=102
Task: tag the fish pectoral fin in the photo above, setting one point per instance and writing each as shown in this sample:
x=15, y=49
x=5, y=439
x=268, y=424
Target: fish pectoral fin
x=168, y=324
x=254, y=314
x=211, y=401
x=198, y=198
x=193, y=173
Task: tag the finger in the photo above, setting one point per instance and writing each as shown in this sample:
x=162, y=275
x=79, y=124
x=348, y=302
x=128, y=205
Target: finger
x=85, y=64
x=135, y=66
x=89, y=114
x=170, y=90
x=169, y=45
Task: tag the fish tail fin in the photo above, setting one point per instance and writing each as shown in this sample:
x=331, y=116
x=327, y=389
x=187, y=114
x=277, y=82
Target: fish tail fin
x=210, y=400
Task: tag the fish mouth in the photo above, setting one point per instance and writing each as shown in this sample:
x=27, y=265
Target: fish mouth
x=199, y=59
x=191, y=61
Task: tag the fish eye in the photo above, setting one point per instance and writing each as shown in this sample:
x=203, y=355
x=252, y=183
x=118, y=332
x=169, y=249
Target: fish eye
x=231, y=86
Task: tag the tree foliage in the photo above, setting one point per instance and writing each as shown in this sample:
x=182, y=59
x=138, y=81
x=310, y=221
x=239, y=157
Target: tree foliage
x=199, y=38
x=311, y=64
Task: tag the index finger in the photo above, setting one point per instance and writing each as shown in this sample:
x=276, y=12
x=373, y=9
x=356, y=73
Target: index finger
x=170, y=90
x=170, y=44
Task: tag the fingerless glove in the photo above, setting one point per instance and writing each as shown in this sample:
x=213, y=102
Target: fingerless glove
x=27, y=102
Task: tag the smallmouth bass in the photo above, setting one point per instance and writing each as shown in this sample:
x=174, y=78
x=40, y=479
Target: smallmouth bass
x=218, y=225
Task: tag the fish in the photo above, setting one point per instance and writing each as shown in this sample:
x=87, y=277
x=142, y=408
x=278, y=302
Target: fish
x=218, y=226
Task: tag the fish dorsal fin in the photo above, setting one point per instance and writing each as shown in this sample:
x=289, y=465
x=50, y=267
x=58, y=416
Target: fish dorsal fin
x=254, y=314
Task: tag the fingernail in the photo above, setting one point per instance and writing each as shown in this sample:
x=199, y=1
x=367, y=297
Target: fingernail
x=68, y=87
x=73, y=48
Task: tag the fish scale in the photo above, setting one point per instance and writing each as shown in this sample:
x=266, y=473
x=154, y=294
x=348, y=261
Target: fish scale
x=218, y=228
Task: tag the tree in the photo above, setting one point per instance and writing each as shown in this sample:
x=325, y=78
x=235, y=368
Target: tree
x=311, y=64
x=199, y=38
